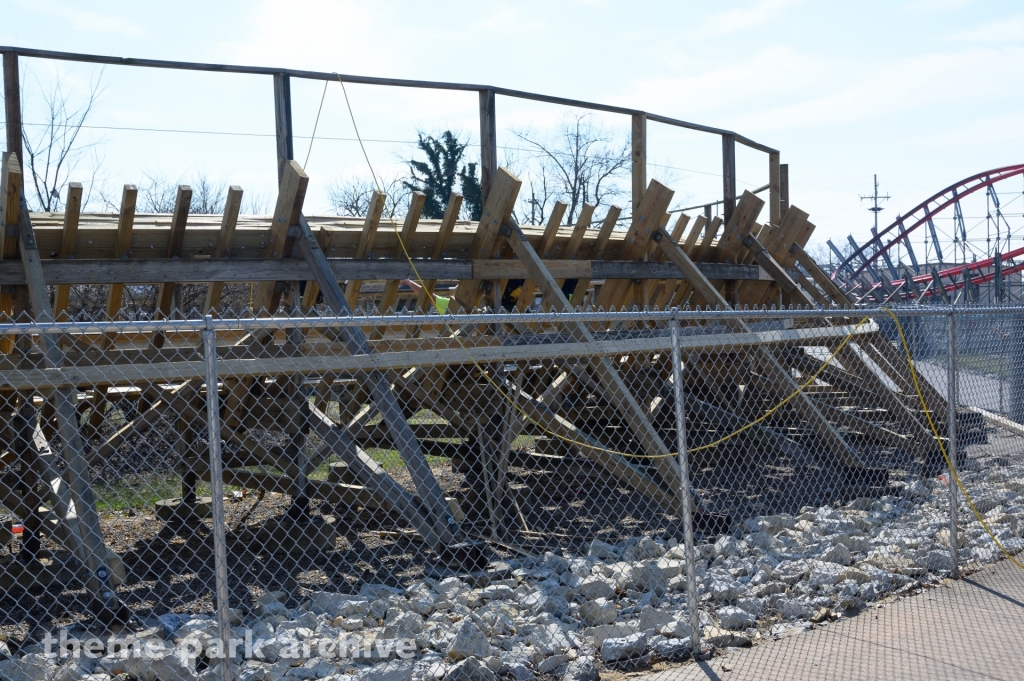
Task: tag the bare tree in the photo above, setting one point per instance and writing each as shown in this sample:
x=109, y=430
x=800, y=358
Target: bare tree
x=581, y=162
x=350, y=196
x=53, y=150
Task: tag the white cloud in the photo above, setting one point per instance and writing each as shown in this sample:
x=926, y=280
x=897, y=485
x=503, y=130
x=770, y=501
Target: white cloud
x=1010, y=30
x=87, y=20
x=743, y=18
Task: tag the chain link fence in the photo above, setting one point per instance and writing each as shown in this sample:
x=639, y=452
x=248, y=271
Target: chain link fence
x=513, y=495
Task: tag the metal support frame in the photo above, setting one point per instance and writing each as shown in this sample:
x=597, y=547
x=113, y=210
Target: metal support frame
x=220, y=551
x=951, y=424
x=684, y=491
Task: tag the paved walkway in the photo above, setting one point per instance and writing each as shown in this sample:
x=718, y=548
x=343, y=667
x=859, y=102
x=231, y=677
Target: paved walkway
x=968, y=629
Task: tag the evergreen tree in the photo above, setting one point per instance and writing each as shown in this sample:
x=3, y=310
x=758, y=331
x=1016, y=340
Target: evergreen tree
x=472, y=197
x=436, y=176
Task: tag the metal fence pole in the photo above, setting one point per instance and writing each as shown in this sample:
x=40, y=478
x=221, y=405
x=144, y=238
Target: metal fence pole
x=220, y=551
x=684, y=483
x=951, y=423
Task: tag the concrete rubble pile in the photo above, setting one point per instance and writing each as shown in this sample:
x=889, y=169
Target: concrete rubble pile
x=562, y=616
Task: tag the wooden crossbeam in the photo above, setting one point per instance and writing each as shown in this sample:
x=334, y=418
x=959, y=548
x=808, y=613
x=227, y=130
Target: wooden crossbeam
x=496, y=211
x=615, y=390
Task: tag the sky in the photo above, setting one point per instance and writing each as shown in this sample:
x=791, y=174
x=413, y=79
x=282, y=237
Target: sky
x=920, y=93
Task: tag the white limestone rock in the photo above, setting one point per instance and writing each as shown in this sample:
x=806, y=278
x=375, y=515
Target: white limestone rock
x=597, y=612
x=614, y=649
x=468, y=641
x=735, y=618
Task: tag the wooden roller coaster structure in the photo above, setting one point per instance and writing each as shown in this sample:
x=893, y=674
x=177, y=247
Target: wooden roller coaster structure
x=59, y=389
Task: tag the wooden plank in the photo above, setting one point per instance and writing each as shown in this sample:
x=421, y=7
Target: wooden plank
x=434, y=504
x=738, y=227
x=596, y=253
x=365, y=246
x=728, y=176
x=451, y=214
x=645, y=221
x=615, y=390
x=488, y=143
x=780, y=376
x=312, y=293
x=12, y=106
x=72, y=216
x=125, y=223
x=225, y=238
x=660, y=291
x=290, y=196
x=179, y=221
x=774, y=189
x=710, y=233
x=496, y=211
x=529, y=288
x=412, y=218
x=96, y=573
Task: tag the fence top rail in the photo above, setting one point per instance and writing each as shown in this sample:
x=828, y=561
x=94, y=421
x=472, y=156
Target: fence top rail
x=194, y=325
x=371, y=80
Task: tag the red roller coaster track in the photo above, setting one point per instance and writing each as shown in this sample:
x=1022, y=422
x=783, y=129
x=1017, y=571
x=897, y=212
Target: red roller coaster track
x=929, y=208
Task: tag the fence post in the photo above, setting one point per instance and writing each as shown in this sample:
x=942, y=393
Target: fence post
x=951, y=393
x=684, y=484
x=220, y=552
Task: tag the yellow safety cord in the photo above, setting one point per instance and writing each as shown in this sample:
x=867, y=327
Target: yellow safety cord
x=942, y=448
x=760, y=419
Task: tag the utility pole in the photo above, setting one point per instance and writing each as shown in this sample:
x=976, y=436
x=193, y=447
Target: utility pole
x=875, y=208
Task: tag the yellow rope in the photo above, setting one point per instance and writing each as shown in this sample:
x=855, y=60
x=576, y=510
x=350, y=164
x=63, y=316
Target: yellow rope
x=942, y=448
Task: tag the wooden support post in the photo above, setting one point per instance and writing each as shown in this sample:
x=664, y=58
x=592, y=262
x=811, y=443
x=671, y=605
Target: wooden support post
x=783, y=189
x=179, y=220
x=496, y=211
x=97, y=571
x=283, y=122
x=444, y=233
x=12, y=105
x=488, y=144
x=69, y=240
x=225, y=238
x=774, y=189
x=11, y=188
x=728, y=176
x=365, y=246
x=638, y=140
x=290, y=197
